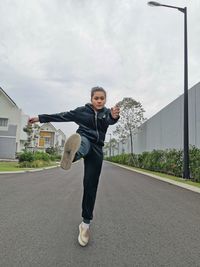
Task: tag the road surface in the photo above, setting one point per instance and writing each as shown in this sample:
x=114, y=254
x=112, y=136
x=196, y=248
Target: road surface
x=138, y=221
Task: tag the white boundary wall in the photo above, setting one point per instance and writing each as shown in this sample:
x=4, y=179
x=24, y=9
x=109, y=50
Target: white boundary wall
x=165, y=129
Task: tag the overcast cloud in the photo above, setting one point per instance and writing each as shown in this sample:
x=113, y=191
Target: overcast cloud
x=53, y=51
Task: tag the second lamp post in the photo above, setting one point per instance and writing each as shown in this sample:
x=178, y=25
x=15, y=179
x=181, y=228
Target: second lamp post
x=186, y=169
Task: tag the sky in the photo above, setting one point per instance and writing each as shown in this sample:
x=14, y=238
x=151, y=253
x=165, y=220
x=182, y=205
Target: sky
x=52, y=52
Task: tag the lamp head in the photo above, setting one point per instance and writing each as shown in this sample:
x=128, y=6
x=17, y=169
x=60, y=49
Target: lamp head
x=153, y=3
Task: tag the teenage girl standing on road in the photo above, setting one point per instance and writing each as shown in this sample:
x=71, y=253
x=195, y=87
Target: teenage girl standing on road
x=93, y=120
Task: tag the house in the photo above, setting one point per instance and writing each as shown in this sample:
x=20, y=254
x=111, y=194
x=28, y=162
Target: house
x=12, y=136
x=49, y=136
x=12, y=122
x=60, y=138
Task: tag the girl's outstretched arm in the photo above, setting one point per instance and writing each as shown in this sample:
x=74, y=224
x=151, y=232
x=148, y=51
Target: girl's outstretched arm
x=72, y=115
x=115, y=112
x=113, y=115
x=33, y=120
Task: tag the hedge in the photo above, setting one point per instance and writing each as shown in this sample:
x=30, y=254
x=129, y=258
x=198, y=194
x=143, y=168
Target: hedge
x=34, y=164
x=31, y=156
x=36, y=159
x=168, y=161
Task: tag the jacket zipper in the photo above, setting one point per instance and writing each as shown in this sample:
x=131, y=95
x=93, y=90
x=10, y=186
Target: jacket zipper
x=96, y=126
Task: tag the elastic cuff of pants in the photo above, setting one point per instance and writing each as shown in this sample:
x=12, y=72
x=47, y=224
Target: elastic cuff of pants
x=86, y=221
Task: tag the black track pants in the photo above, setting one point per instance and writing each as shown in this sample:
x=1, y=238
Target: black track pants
x=93, y=158
x=92, y=170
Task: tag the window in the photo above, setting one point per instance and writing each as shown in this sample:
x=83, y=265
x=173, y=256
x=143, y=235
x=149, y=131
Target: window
x=3, y=122
x=47, y=140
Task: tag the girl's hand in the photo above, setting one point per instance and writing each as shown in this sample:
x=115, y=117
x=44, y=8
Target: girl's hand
x=33, y=120
x=115, y=112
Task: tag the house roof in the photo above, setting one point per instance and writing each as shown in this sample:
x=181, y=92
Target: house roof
x=7, y=96
x=61, y=133
x=49, y=125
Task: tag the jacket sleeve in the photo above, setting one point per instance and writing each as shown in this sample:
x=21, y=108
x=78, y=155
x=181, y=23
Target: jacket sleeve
x=71, y=115
x=110, y=119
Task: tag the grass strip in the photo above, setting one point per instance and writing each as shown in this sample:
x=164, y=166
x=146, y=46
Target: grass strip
x=14, y=166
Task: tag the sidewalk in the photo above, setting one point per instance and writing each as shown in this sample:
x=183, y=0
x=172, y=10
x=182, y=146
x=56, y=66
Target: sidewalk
x=183, y=185
x=31, y=170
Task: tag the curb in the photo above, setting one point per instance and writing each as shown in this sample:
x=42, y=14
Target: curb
x=32, y=170
x=185, y=186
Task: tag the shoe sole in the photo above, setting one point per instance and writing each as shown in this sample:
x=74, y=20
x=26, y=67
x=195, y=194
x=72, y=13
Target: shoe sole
x=83, y=244
x=71, y=147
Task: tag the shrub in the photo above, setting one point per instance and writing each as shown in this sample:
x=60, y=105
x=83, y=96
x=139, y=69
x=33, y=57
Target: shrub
x=37, y=159
x=168, y=161
x=41, y=156
x=173, y=162
x=26, y=156
x=55, y=157
x=51, y=150
x=195, y=163
x=33, y=164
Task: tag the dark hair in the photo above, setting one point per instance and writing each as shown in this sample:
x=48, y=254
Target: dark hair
x=97, y=89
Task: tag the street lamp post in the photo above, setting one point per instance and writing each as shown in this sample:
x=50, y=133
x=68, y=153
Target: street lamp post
x=186, y=170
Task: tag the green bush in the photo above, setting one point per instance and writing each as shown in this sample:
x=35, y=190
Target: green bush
x=55, y=157
x=41, y=156
x=26, y=156
x=30, y=156
x=36, y=159
x=34, y=164
x=195, y=163
x=168, y=161
x=53, y=153
x=173, y=162
x=51, y=150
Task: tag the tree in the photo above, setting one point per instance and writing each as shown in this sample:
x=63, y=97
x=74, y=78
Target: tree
x=131, y=117
x=32, y=134
x=106, y=148
x=111, y=146
x=28, y=129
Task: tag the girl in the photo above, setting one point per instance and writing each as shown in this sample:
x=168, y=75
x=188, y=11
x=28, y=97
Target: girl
x=93, y=120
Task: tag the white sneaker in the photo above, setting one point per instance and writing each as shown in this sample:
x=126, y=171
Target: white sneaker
x=84, y=236
x=71, y=147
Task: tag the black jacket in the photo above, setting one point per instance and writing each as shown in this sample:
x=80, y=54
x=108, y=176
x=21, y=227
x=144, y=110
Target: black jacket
x=92, y=125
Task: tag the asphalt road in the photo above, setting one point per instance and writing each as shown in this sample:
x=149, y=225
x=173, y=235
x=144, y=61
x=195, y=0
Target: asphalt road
x=138, y=221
